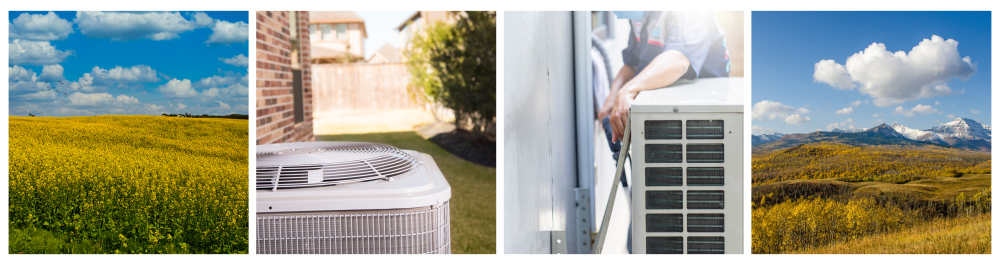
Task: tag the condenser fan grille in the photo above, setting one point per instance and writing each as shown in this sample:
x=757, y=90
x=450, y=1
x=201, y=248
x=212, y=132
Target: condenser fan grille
x=331, y=164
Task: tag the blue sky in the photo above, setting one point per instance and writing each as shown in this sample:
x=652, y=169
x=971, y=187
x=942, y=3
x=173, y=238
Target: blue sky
x=934, y=80
x=128, y=63
x=381, y=26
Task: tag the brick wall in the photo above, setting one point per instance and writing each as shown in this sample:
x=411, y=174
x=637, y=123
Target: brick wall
x=275, y=103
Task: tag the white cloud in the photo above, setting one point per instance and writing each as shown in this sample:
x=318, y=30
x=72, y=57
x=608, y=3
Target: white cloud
x=846, y=124
x=878, y=121
x=52, y=72
x=226, y=33
x=35, y=53
x=238, y=60
x=123, y=77
x=894, y=78
x=177, y=89
x=858, y=103
x=125, y=26
x=844, y=111
x=951, y=116
x=228, y=78
x=770, y=110
x=875, y=115
x=937, y=103
x=40, y=95
x=223, y=105
x=20, y=78
x=761, y=130
x=795, y=119
x=40, y=27
x=974, y=111
x=833, y=74
x=919, y=109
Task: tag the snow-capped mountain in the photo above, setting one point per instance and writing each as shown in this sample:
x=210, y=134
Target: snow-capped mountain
x=885, y=130
x=918, y=135
x=963, y=128
x=765, y=138
x=961, y=132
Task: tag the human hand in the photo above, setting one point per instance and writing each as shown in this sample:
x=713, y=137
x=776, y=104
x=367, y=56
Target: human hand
x=619, y=113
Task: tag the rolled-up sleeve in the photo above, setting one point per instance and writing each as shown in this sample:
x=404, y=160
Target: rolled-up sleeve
x=687, y=33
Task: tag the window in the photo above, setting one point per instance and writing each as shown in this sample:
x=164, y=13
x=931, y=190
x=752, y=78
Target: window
x=325, y=28
x=341, y=31
x=313, y=36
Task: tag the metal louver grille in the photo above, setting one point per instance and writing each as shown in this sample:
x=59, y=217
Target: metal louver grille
x=664, y=222
x=663, y=176
x=665, y=245
x=664, y=199
x=705, y=199
x=663, y=153
x=423, y=230
x=706, y=245
x=705, y=153
x=706, y=176
x=705, y=222
x=379, y=162
x=662, y=130
x=704, y=129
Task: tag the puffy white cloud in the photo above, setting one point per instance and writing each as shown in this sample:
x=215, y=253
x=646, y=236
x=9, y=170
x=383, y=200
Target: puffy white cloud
x=125, y=26
x=35, y=53
x=40, y=27
x=795, y=119
x=238, y=60
x=875, y=115
x=878, y=121
x=919, y=109
x=99, y=99
x=858, y=103
x=21, y=78
x=52, y=72
x=40, y=95
x=123, y=77
x=937, y=103
x=228, y=78
x=844, y=111
x=951, y=116
x=223, y=105
x=833, y=74
x=894, y=78
x=225, y=33
x=973, y=111
x=770, y=110
x=178, y=89
x=846, y=124
x=761, y=130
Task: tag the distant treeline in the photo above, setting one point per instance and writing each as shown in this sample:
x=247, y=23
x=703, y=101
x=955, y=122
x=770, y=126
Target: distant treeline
x=230, y=116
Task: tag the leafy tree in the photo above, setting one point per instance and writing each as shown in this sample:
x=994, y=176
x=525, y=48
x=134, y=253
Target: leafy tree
x=455, y=65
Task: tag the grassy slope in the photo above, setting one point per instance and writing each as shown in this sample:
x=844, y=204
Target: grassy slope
x=473, y=189
x=962, y=235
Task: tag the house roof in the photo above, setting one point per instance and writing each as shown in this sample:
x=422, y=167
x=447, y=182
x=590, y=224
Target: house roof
x=388, y=51
x=407, y=21
x=328, y=17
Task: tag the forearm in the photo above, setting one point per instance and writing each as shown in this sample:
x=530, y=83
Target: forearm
x=663, y=71
x=624, y=75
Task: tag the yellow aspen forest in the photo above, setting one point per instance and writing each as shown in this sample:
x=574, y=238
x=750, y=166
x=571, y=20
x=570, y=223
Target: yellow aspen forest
x=821, y=197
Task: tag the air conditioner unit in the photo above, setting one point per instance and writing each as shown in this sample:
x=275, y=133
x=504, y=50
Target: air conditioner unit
x=687, y=165
x=350, y=198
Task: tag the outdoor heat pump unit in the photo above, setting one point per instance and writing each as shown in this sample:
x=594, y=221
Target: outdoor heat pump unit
x=687, y=164
x=350, y=198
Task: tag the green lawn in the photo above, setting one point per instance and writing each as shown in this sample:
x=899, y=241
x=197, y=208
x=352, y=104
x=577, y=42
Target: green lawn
x=473, y=189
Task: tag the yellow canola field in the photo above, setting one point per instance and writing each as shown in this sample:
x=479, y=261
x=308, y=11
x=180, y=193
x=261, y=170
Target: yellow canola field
x=132, y=184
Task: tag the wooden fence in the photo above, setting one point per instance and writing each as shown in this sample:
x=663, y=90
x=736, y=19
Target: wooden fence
x=345, y=87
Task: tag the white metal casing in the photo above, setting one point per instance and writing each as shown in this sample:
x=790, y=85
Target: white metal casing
x=426, y=186
x=704, y=99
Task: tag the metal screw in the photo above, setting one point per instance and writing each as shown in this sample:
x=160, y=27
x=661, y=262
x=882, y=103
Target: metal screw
x=675, y=109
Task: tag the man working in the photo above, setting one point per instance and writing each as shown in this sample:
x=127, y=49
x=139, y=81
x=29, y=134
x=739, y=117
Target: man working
x=663, y=47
